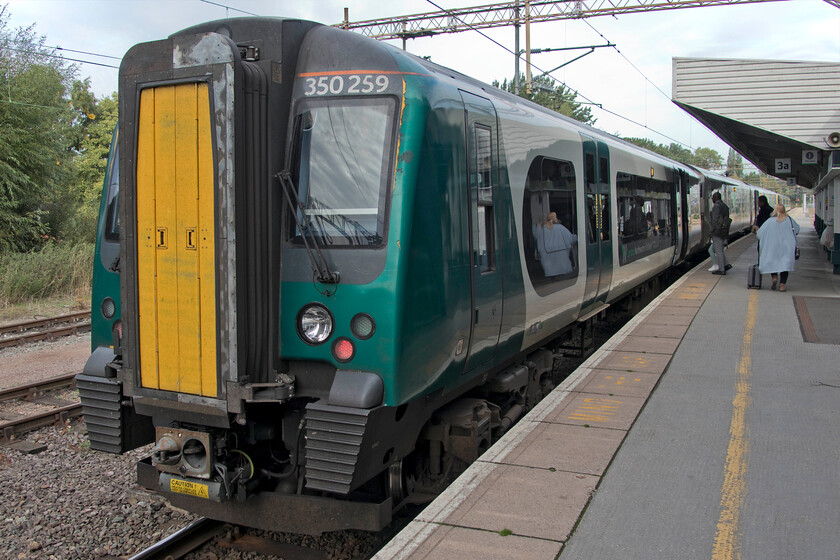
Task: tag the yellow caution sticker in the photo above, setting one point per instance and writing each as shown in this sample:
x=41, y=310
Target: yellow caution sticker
x=189, y=488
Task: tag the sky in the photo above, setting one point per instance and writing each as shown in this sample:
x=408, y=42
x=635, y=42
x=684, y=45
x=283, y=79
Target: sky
x=632, y=80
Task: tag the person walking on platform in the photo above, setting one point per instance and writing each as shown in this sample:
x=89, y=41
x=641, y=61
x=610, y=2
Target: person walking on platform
x=720, y=232
x=764, y=212
x=777, y=247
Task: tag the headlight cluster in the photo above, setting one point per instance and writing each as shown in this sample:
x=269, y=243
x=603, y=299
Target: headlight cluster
x=315, y=326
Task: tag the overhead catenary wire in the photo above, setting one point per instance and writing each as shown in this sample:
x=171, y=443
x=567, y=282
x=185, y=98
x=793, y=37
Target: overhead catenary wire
x=229, y=8
x=83, y=52
x=628, y=60
x=60, y=57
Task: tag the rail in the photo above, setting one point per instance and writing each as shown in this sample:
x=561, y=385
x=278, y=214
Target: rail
x=71, y=323
x=32, y=421
x=180, y=543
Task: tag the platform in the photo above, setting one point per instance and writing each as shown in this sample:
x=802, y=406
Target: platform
x=705, y=429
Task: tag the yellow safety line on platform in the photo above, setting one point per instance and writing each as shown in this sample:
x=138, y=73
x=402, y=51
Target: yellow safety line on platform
x=727, y=544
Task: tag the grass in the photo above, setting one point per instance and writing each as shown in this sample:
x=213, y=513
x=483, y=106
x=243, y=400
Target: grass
x=48, y=282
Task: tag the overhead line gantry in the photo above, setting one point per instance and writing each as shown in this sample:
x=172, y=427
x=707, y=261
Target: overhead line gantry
x=520, y=12
x=516, y=13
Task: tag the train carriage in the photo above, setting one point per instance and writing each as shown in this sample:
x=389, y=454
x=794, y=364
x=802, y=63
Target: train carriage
x=344, y=269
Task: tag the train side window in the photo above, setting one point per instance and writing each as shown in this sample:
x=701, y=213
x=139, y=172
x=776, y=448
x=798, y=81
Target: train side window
x=591, y=203
x=550, y=225
x=112, y=215
x=644, y=216
x=605, y=200
x=483, y=187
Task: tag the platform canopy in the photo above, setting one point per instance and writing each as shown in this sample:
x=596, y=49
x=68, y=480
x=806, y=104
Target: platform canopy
x=783, y=116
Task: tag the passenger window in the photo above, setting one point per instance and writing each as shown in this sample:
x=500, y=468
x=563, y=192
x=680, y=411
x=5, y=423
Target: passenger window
x=549, y=221
x=645, y=221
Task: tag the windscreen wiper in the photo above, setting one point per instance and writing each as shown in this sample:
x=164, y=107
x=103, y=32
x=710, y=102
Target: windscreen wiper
x=320, y=267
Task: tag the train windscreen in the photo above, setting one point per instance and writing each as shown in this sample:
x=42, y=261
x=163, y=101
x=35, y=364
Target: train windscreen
x=342, y=156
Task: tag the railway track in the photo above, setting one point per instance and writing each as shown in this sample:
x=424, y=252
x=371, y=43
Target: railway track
x=46, y=409
x=48, y=328
x=204, y=530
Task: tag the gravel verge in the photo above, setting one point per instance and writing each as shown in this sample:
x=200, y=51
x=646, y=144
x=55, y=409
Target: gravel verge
x=71, y=503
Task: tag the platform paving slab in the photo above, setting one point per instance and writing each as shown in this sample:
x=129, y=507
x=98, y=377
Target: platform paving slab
x=635, y=361
x=518, y=499
x=616, y=412
x=565, y=447
x=670, y=319
x=665, y=310
x=661, y=331
x=445, y=542
x=627, y=384
x=649, y=344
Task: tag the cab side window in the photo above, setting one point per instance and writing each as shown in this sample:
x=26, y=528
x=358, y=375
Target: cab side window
x=549, y=222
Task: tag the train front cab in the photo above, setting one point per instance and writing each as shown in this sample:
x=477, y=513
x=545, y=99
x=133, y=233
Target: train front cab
x=204, y=256
x=202, y=136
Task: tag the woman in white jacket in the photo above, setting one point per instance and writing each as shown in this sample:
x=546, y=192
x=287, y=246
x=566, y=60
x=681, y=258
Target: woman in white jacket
x=777, y=247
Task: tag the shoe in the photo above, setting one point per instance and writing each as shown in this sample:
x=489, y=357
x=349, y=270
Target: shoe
x=714, y=268
x=720, y=272
x=773, y=284
x=727, y=267
x=782, y=288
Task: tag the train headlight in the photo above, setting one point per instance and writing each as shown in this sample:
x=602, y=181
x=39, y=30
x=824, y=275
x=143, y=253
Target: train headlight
x=108, y=308
x=315, y=324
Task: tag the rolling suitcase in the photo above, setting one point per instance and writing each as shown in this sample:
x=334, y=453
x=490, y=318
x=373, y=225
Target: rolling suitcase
x=754, y=277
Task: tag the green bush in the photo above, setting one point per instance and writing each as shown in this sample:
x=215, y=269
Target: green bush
x=57, y=270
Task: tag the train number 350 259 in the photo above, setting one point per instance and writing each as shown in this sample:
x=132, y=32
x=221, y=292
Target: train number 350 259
x=352, y=84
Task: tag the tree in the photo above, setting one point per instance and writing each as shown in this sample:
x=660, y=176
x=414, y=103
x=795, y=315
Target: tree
x=35, y=123
x=94, y=134
x=546, y=91
x=734, y=164
x=706, y=158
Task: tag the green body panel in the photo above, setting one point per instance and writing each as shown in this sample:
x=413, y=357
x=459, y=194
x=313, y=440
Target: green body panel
x=421, y=302
x=106, y=282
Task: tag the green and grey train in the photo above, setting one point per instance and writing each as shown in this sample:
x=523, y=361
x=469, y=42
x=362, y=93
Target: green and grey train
x=343, y=269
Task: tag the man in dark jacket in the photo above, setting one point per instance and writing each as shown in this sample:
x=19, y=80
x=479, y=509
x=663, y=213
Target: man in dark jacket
x=764, y=212
x=720, y=231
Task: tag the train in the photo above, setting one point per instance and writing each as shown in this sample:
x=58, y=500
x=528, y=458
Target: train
x=345, y=271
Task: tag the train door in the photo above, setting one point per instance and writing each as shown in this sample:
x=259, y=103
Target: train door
x=482, y=170
x=596, y=169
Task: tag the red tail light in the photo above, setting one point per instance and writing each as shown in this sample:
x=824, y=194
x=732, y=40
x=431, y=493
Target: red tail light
x=343, y=349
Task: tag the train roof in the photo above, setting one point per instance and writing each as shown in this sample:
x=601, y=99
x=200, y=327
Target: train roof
x=246, y=29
